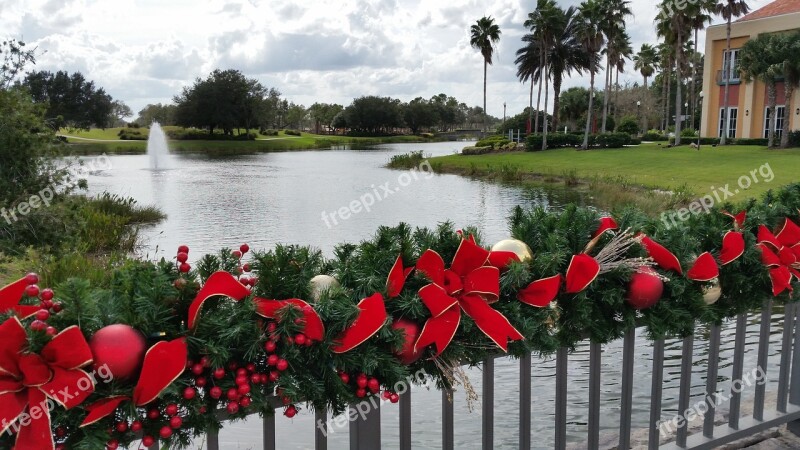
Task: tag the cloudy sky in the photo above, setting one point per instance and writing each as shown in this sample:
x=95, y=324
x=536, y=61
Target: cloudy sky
x=144, y=51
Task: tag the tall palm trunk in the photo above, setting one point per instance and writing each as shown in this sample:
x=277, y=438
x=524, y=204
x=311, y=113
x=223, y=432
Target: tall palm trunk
x=667, y=115
x=585, y=145
x=726, y=77
x=546, y=95
x=788, y=89
x=539, y=97
x=616, y=93
x=772, y=96
x=693, y=89
x=530, y=109
x=557, y=79
x=644, y=116
x=664, y=83
x=606, y=93
x=678, y=89
x=485, y=114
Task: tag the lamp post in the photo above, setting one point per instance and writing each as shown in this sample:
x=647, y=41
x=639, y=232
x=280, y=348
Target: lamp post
x=638, y=109
x=700, y=98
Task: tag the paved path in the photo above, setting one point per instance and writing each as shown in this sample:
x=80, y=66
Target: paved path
x=95, y=140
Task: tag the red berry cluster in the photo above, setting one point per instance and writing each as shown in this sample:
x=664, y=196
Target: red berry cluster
x=246, y=278
x=363, y=385
x=211, y=381
x=46, y=303
x=165, y=419
x=182, y=257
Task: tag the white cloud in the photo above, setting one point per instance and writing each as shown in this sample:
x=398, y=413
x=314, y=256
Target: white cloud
x=144, y=51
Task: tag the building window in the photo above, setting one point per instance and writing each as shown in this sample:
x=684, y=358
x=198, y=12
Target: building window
x=730, y=65
x=779, y=119
x=733, y=114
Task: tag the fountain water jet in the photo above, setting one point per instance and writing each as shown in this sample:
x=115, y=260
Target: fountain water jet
x=157, y=148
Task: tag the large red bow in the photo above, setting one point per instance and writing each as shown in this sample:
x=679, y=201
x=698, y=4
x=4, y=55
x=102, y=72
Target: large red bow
x=219, y=283
x=781, y=254
x=469, y=285
x=312, y=323
x=163, y=363
x=30, y=383
x=11, y=295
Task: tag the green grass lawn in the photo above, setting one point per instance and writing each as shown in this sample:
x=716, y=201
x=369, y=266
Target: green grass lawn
x=649, y=165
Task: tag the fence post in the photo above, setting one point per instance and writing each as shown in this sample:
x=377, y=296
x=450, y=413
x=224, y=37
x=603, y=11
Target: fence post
x=794, y=383
x=365, y=429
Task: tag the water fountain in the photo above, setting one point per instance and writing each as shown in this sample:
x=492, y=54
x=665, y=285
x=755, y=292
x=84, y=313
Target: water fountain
x=157, y=148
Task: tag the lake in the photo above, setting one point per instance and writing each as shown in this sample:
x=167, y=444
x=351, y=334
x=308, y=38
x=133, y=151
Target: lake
x=265, y=199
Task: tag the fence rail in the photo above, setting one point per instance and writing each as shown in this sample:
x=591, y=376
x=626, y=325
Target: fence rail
x=365, y=430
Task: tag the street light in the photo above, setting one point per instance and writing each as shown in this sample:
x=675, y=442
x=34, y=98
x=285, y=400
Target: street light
x=700, y=96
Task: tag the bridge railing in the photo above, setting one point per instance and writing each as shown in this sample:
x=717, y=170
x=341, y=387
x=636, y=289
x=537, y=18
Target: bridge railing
x=365, y=429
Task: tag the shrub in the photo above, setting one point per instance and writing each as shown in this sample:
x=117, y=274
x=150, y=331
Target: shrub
x=472, y=151
x=554, y=140
x=194, y=134
x=407, y=160
x=629, y=125
x=794, y=138
x=654, y=136
x=689, y=132
x=613, y=140
x=133, y=125
x=292, y=132
x=268, y=132
x=495, y=141
x=129, y=134
x=751, y=141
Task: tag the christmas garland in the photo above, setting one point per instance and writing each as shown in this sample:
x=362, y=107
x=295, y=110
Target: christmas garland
x=162, y=348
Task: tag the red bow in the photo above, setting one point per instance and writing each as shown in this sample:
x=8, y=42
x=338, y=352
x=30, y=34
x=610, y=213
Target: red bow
x=219, y=283
x=163, y=363
x=30, y=383
x=371, y=318
x=733, y=241
x=663, y=257
x=397, y=277
x=312, y=323
x=469, y=285
x=11, y=295
x=784, y=261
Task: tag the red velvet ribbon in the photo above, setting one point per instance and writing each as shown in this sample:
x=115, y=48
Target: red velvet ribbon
x=663, y=257
x=28, y=380
x=10, y=297
x=781, y=255
x=371, y=318
x=606, y=224
x=313, y=327
x=397, y=277
x=469, y=285
x=163, y=363
x=219, y=283
x=705, y=268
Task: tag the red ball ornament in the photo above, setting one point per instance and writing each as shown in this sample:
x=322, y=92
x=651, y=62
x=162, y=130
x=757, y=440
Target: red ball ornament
x=148, y=441
x=51, y=331
x=246, y=267
x=189, y=393
x=215, y=392
x=345, y=377
x=198, y=369
x=136, y=426
x=121, y=427
x=184, y=267
x=31, y=278
x=120, y=348
x=394, y=398
x=274, y=375
x=32, y=291
x=232, y=394
x=200, y=381
x=112, y=444
x=244, y=248
x=233, y=407
x=270, y=346
x=153, y=414
x=42, y=315
x=219, y=373
x=176, y=422
x=245, y=402
x=255, y=378
x=373, y=385
x=46, y=304
x=361, y=393
x=644, y=289
x=183, y=249
x=251, y=367
x=290, y=412
x=58, y=307
x=182, y=257
x=300, y=339
x=243, y=389
x=165, y=432
x=38, y=325
x=361, y=382
x=272, y=360
x=237, y=254
x=406, y=354
x=47, y=294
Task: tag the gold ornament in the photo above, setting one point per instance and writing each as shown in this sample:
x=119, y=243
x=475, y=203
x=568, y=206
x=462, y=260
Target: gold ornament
x=712, y=291
x=320, y=284
x=516, y=247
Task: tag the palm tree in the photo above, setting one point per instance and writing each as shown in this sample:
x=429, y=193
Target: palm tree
x=589, y=33
x=566, y=55
x=698, y=18
x=728, y=9
x=529, y=68
x=791, y=80
x=622, y=50
x=762, y=59
x=666, y=52
x=484, y=34
x=646, y=62
x=612, y=22
x=544, y=24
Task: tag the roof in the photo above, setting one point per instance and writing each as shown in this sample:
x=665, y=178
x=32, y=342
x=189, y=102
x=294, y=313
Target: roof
x=776, y=8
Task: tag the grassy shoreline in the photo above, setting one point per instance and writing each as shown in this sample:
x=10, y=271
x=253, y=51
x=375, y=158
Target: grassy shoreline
x=99, y=142
x=650, y=176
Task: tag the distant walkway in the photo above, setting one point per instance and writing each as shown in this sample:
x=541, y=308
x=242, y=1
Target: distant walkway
x=95, y=140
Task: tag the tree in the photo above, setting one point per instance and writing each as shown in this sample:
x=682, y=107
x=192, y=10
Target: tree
x=484, y=35
x=373, y=115
x=762, y=59
x=323, y=114
x=71, y=100
x=574, y=103
x=612, y=23
x=529, y=68
x=674, y=28
x=791, y=79
x=295, y=116
x=646, y=62
x=14, y=59
x=565, y=55
x=728, y=9
x=698, y=18
x=419, y=113
x=163, y=114
x=590, y=35
x=119, y=111
x=621, y=50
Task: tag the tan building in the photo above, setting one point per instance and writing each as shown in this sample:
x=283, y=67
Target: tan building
x=747, y=102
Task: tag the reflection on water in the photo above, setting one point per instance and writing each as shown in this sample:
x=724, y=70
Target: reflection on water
x=265, y=199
